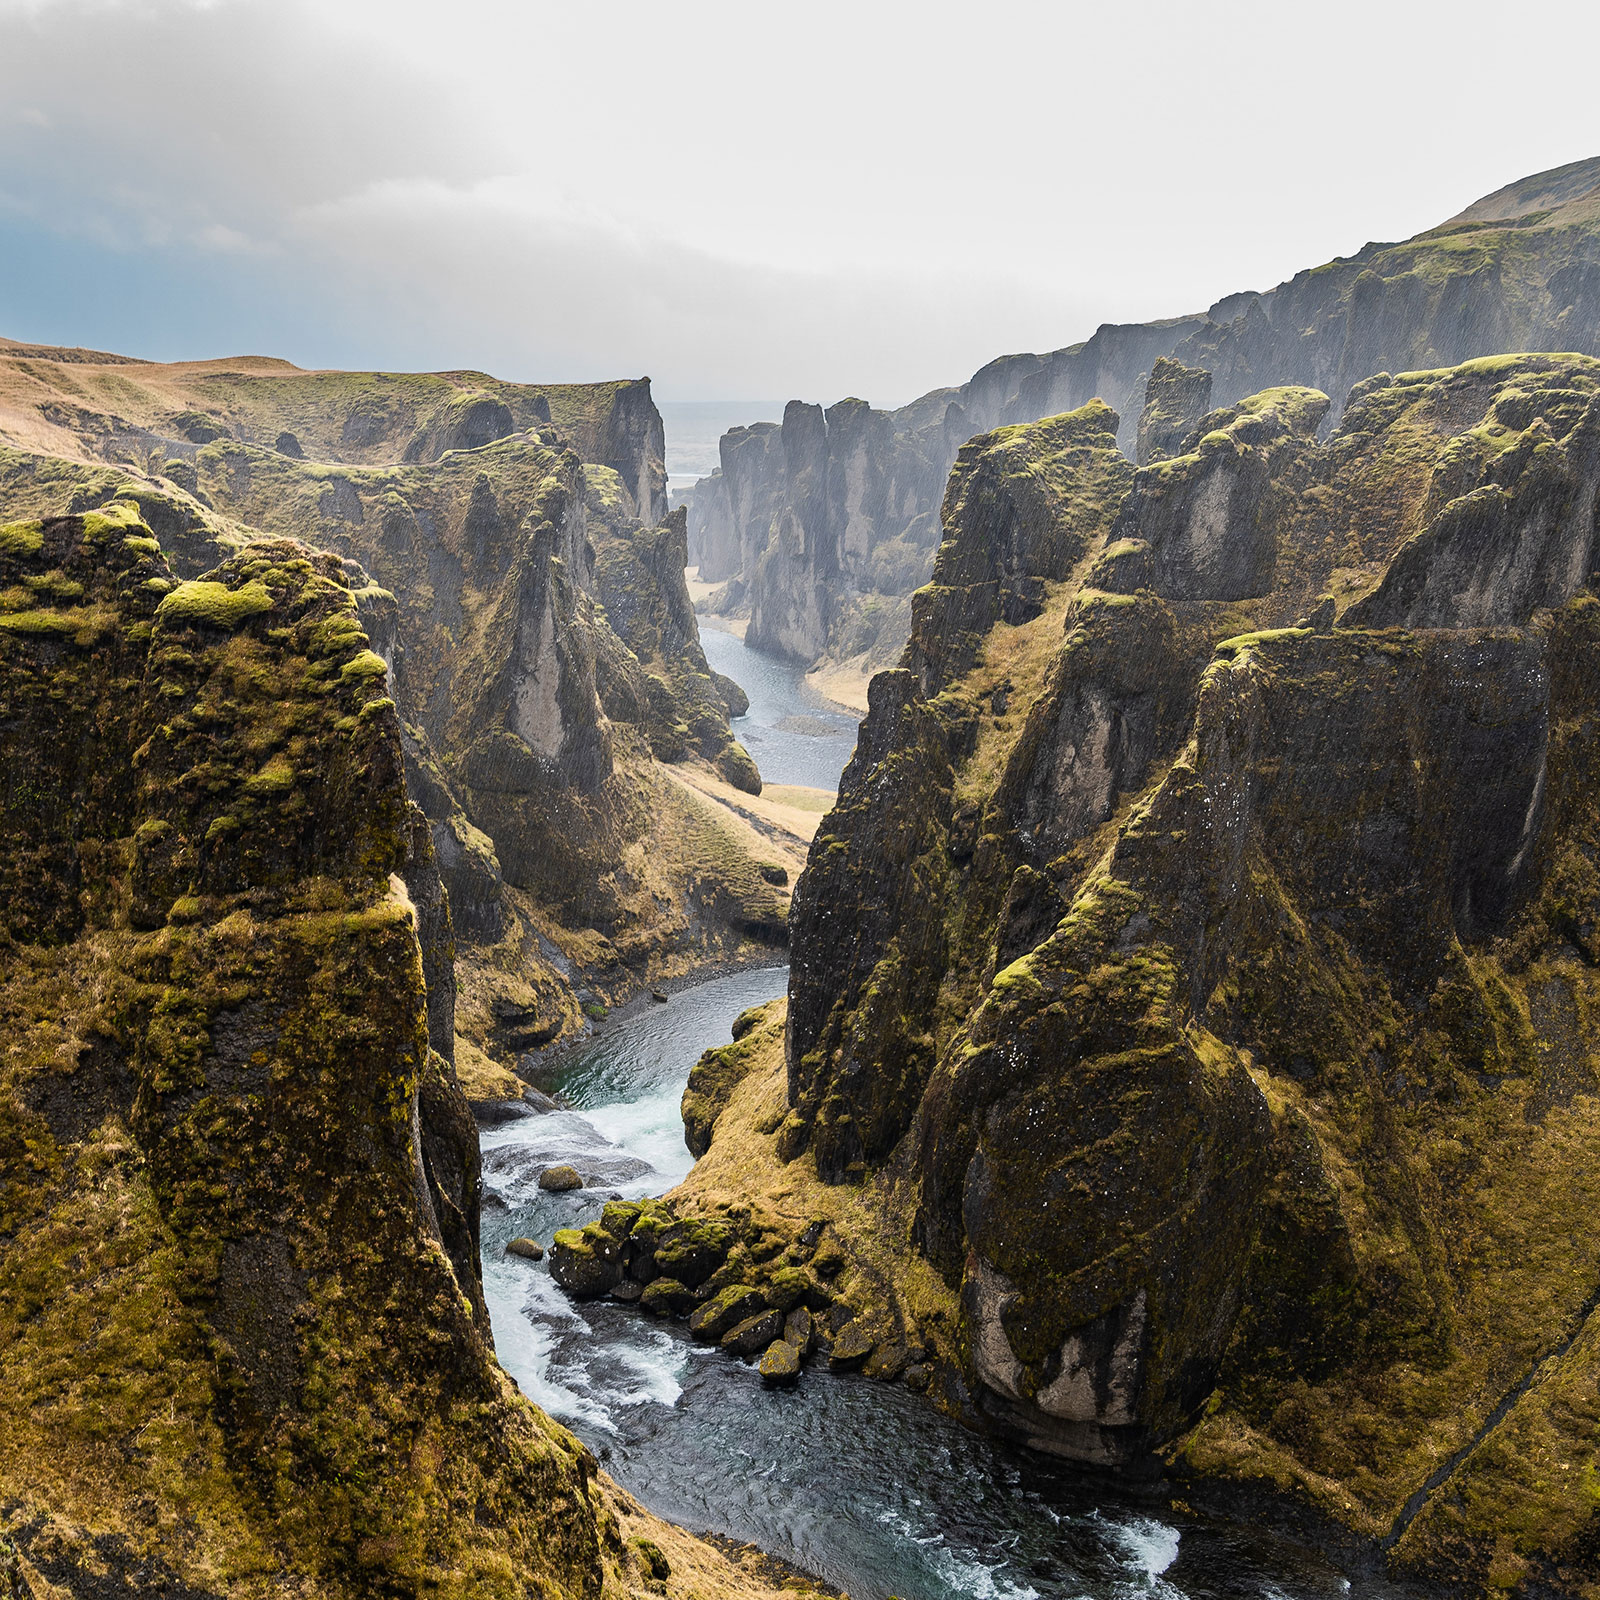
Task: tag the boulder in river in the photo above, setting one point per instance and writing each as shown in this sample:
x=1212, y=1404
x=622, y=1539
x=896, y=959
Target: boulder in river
x=887, y=1361
x=666, y=1297
x=851, y=1346
x=626, y=1290
x=798, y=1331
x=559, y=1179
x=585, y=1261
x=691, y=1250
x=793, y=1286
x=725, y=1310
x=528, y=1249
x=781, y=1363
x=754, y=1333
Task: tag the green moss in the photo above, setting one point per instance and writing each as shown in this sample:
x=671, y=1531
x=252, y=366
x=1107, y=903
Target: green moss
x=652, y=1559
x=277, y=777
x=368, y=664
x=49, y=622
x=21, y=538
x=1228, y=649
x=206, y=603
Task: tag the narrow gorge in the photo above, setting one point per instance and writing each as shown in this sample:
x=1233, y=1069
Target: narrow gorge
x=996, y=1000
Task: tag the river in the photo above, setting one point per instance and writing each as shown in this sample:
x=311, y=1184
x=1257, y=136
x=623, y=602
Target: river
x=793, y=734
x=861, y=1482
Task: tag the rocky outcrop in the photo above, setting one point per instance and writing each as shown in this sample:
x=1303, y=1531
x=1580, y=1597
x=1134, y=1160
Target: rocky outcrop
x=1203, y=524
x=242, y=1331
x=639, y=574
x=833, y=537
x=533, y=626
x=1200, y=954
x=1175, y=399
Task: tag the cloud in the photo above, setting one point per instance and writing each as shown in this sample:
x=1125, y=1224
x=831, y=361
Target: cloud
x=873, y=198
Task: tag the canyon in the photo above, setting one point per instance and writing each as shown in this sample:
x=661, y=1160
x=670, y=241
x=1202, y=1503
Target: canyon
x=1190, y=983
x=819, y=529
x=1183, y=1072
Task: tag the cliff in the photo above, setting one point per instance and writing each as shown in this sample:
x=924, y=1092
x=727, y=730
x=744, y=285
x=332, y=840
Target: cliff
x=532, y=620
x=242, y=1336
x=826, y=527
x=86, y=405
x=1193, y=973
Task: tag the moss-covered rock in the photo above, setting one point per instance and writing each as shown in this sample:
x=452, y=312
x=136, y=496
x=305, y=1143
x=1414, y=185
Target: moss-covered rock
x=780, y=1364
x=725, y=1311
x=240, y=1330
x=1210, y=966
x=715, y=1076
x=586, y=1261
x=692, y=1249
x=1175, y=399
x=666, y=1297
x=753, y=1334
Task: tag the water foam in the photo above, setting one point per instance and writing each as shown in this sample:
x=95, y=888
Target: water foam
x=1148, y=1548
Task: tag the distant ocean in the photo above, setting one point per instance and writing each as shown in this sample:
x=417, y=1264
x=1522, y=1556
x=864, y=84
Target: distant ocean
x=694, y=426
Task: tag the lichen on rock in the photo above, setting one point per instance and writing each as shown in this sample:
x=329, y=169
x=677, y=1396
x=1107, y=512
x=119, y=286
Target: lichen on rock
x=243, y=1328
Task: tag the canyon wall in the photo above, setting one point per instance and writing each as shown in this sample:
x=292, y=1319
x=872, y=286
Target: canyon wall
x=1198, y=957
x=531, y=617
x=243, y=1341
x=241, y=1327
x=828, y=526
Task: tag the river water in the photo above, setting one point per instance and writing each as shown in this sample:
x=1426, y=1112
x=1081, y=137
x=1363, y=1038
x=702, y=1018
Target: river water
x=793, y=734
x=861, y=1482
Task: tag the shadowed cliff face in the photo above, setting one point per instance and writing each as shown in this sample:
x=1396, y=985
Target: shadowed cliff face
x=1520, y=271
x=243, y=1333
x=1203, y=939
x=536, y=631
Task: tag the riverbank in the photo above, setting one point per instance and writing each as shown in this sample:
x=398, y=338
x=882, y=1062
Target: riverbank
x=861, y=1481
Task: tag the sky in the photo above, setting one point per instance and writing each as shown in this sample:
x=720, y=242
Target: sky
x=738, y=200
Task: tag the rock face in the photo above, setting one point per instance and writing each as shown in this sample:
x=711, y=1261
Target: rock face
x=241, y=1330
x=825, y=526
x=1204, y=935
x=1175, y=399
x=530, y=618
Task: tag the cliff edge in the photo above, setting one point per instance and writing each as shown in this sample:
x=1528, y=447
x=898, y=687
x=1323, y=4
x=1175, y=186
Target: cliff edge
x=1194, y=970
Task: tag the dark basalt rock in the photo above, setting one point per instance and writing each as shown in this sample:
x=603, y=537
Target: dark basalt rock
x=753, y=1334
x=780, y=1365
x=797, y=1331
x=1175, y=399
x=1213, y=998
x=727, y=1310
x=666, y=1297
x=586, y=1262
x=226, y=1068
x=850, y=1348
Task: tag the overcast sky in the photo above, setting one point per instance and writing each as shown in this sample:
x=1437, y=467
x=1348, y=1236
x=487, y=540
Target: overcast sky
x=743, y=200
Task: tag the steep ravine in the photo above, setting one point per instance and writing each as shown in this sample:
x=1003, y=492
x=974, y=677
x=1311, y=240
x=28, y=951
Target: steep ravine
x=243, y=1343
x=823, y=525
x=862, y=1482
x=517, y=573
x=1188, y=1038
